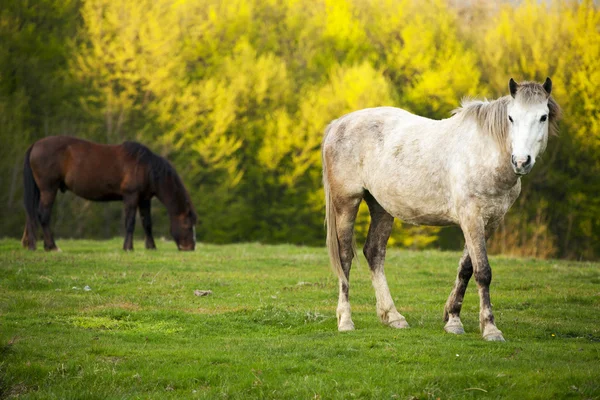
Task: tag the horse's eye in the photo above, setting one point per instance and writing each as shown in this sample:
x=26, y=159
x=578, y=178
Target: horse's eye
x=544, y=117
x=510, y=118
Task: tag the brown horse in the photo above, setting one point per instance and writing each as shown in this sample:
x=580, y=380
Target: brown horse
x=129, y=172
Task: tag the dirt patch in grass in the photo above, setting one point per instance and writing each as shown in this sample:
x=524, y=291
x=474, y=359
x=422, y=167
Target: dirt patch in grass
x=18, y=390
x=128, y=306
x=214, y=310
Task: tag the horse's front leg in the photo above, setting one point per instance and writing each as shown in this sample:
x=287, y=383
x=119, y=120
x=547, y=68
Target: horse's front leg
x=131, y=204
x=374, y=250
x=455, y=300
x=474, y=231
x=147, y=222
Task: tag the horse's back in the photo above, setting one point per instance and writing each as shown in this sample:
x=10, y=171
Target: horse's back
x=91, y=170
x=395, y=155
x=370, y=128
x=363, y=121
x=365, y=137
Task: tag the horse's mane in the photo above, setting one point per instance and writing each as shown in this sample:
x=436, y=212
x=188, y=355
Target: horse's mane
x=159, y=168
x=492, y=116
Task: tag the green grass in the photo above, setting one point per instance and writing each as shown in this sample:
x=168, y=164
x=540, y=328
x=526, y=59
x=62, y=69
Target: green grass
x=269, y=329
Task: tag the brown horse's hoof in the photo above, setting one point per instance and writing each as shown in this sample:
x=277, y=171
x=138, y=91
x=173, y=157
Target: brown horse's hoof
x=27, y=245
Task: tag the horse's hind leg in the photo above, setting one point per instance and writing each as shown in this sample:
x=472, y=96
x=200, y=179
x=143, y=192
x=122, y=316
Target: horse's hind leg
x=345, y=215
x=28, y=239
x=25, y=238
x=131, y=202
x=47, y=197
x=145, y=205
x=455, y=300
x=374, y=250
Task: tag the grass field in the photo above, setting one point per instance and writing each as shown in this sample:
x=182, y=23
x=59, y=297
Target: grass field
x=269, y=328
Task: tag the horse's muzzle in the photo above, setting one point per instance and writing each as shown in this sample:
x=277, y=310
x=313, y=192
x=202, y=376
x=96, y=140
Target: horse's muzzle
x=186, y=248
x=522, y=165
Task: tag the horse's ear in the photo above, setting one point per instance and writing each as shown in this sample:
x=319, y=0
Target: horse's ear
x=548, y=86
x=512, y=85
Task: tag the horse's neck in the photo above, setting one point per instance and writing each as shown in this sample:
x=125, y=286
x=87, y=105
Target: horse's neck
x=491, y=160
x=171, y=193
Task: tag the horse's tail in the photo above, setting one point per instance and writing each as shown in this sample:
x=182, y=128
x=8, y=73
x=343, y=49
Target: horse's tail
x=31, y=195
x=333, y=245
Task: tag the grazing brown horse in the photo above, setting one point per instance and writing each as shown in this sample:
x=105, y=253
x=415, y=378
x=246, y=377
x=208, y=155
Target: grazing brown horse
x=129, y=172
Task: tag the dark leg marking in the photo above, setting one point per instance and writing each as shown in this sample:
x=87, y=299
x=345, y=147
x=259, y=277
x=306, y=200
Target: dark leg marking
x=475, y=236
x=455, y=300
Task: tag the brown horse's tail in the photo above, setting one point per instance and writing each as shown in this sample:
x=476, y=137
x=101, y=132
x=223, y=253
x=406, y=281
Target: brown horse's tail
x=31, y=197
x=333, y=245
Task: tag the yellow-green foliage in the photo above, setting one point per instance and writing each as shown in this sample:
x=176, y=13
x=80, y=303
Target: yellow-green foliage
x=237, y=95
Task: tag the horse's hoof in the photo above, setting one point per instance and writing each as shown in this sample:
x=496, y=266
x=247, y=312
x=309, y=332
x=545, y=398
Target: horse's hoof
x=493, y=334
x=494, y=338
x=346, y=326
x=455, y=329
x=454, y=326
x=399, y=324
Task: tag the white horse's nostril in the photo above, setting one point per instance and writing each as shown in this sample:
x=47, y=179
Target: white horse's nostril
x=521, y=161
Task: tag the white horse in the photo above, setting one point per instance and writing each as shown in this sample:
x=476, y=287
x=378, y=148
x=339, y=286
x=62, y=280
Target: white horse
x=464, y=170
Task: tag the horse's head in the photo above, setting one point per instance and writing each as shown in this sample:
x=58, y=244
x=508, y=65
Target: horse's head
x=530, y=113
x=183, y=229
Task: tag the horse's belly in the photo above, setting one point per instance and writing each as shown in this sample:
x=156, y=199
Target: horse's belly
x=429, y=219
x=418, y=210
x=418, y=201
x=105, y=197
x=96, y=190
x=419, y=215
